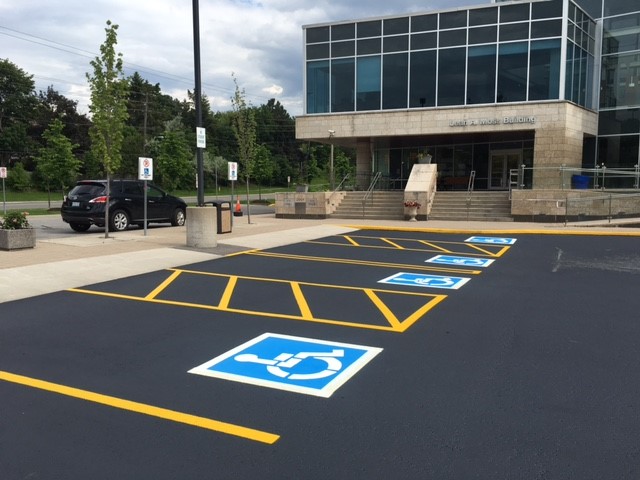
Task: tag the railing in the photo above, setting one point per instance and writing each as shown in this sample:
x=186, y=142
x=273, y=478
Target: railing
x=369, y=193
x=470, y=187
x=338, y=188
x=599, y=178
x=607, y=206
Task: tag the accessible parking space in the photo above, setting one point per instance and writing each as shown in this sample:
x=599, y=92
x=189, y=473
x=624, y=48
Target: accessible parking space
x=372, y=354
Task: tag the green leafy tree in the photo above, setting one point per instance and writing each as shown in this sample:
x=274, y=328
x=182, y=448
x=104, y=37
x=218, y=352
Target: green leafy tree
x=18, y=178
x=17, y=110
x=173, y=166
x=263, y=167
x=244, y=128
x=56, y=162
x=108, y=106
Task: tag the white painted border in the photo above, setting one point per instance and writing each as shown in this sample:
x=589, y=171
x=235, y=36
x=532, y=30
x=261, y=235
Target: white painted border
x=340, y=379
x=461, y=281
x=511, y=241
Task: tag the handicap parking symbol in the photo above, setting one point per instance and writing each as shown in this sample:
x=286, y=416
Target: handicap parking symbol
x=296, y=364
x=424, y=280
x=461, y=261
x=491, y=240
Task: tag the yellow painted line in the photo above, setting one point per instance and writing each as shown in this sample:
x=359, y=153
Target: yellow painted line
x=437, y=247
x=418, y=314
x=163, y=413
x=228, y=292
x=305, y=311
x=284, y=316
x=164, y=284
x=388, y=314
x=351, y=240
x=366, y=263
x=497, y=254
x=395, y=245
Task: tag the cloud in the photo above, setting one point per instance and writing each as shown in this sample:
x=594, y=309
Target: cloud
x=259, y=41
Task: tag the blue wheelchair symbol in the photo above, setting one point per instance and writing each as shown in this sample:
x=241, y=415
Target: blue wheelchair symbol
x=492, y=240
x=423, y=280
x=460, y=261
x=302, y=365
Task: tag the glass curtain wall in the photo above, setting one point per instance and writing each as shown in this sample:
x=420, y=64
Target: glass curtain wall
x=506, y=53
x=619, y=118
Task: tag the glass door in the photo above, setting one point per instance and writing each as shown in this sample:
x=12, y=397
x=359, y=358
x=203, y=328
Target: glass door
x=501, y=161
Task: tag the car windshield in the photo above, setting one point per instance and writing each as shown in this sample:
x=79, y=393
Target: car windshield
x=87, y=190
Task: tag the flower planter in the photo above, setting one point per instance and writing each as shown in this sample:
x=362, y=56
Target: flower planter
x=413, y=211
x=17, y=239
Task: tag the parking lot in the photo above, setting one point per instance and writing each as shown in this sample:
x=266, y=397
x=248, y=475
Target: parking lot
x=377, y=353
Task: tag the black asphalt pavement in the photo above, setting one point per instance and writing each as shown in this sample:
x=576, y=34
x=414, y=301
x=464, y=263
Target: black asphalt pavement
x=528, y=370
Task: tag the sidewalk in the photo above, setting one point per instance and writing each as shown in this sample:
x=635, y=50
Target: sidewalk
x=82, y=259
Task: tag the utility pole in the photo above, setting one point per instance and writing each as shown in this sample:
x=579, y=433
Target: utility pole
x=198, y=98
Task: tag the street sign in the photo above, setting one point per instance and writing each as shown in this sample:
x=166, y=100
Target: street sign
x=492, y=240
x=423, y=280
x=145, y=168
x=201, y=137
x=3, y=172
x=460, y=261
x=296, y=364
x=233, y=170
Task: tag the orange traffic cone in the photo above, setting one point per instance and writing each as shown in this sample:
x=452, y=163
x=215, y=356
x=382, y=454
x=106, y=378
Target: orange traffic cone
x=238, y=211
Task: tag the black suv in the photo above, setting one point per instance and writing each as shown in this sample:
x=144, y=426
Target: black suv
x=85, y=205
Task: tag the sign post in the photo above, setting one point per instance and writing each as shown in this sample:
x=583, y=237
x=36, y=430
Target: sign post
x=3, y=175
x=232, y=175
x=145, y=172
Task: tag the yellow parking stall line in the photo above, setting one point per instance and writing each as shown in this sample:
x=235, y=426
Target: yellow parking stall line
x=351, y=240
x=142, y=408
x=163, y=285
x=388, y=314
x=365, y=263
x=418, y=314
x=441, y=249
x=301, y=301
x=228, y=292
x=497, y=254
x=395, y=245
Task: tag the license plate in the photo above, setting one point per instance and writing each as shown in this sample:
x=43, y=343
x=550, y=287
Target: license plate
x=75, y=204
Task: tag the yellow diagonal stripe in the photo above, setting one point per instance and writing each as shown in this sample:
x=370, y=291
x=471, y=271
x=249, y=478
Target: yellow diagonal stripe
x=305, y=311
x=164, y=285
x=386, y=311
x=201, y=422
x=226, y=296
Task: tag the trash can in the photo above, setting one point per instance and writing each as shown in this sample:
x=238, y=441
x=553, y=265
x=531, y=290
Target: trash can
x=580, y=182
x=223, y=216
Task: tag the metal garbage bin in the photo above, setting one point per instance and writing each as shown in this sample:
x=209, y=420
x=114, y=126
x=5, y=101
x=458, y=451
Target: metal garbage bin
x=223, y=216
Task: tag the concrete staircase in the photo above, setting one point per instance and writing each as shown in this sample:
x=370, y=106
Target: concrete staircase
x=477, y=206
x=381, y=205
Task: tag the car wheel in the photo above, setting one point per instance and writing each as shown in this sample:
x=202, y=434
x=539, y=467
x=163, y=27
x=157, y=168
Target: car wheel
x=80, y=227
x=119, y=221
x=178, y=218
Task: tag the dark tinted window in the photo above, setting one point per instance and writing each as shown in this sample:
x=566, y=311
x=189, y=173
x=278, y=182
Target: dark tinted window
x=396, y=44
x=550, y=9
x=393, y=26
x=88, y=190
x=132, y=188
x=483, y=16
x=514, y=31
x=369, y=46
x=424, y=23
x=423, y=41
x=549, y=28
x=514, y=13
x=319, y=50
x=452, y=38
x=317, y=34
x=483, y=35
x=343, y=49
x=369, y=29
x=453, y=19
x=343, y=32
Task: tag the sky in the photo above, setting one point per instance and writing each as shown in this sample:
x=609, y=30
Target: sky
x=260, y=42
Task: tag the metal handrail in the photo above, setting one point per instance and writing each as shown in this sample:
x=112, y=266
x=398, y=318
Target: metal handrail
x=338, y=188
x=600, y=174
x=369, y=192
x=470, y=187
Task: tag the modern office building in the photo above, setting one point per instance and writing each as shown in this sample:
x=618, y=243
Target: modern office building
x=486, y=88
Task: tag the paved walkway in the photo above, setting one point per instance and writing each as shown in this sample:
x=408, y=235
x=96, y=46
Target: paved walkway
x=82, y=259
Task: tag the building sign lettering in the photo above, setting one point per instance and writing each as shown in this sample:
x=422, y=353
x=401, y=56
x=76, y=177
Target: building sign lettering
x=517, y=119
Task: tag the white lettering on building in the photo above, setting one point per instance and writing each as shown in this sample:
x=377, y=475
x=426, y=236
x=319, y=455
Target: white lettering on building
x=467, y=122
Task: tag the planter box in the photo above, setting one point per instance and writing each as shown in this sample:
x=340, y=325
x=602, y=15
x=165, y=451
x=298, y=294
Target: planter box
x=16, y=239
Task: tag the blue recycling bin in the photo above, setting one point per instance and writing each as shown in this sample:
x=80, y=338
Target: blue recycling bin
x=580, y=182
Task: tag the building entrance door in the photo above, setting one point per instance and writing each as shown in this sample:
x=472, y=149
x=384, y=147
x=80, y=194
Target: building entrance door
x=501, y=161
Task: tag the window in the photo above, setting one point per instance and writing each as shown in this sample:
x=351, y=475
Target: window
x=514, y=31
x=399, y=43
x=394, y=81
x=317, y=51
x=368, y=83
x=317, y=34
x=343, y=49
x=424, y=23
x=453, y=19
x=512, y=72
x=481, y=76
x=342, y=85
x=451, y=38
x=514, y=13
x=343, y=32
x=394, y=26
x=549, y=28
x=369, y=29
x=421, y=41
x=482, y=35
x=549, y=9
x=369, y=46
x=451, y=71
x=423, y=79
x=483, y=16
x=618, y=7
x=318, y=87
x=544, y=70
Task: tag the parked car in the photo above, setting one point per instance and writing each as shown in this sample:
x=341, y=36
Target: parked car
x=85, y=205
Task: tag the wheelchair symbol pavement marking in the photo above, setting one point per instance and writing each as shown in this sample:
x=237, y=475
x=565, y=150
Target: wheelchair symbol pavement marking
x=492, y=240
x=422, y=280
x=296, y=364
x=460, y=261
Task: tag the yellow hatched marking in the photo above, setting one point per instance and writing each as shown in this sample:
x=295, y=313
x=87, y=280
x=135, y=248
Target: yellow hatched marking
x=365, y=263
x=163, y=285
x=145, y=409
x=301, y=301
x=388, y=314
x=499, y=253
x=393, y=244
x=441, y=249
x=228, y=292
x=418, y=314
x=351, y=240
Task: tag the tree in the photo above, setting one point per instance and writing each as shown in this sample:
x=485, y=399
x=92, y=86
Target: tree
x=263, y=167
x=173, y=156
x=55, y=162
x=17, y=109
x=108, y=105
x=18, y=178
x=244, y=128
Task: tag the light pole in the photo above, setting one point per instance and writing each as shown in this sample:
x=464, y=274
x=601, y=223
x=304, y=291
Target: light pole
x=198, y=98
x=332, y=179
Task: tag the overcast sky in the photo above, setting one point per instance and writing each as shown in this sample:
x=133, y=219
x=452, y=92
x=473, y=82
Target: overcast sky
x=259, y=41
